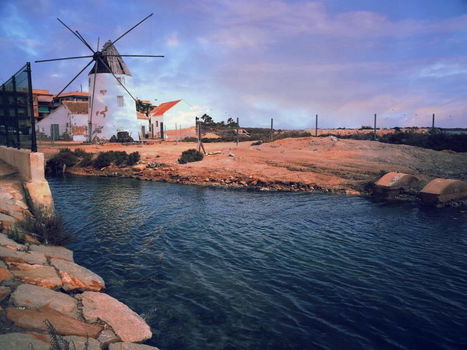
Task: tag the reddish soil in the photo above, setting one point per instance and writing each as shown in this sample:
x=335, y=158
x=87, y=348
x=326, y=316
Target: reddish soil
x=302, y=164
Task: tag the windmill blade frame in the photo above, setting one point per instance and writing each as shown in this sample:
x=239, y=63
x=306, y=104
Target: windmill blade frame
x=129, y=30
x=79, y=38
x=76, y=76
x=63, y=58
x=134, y=55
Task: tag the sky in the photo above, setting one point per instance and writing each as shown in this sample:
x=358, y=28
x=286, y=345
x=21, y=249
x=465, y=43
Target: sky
x=260, y=59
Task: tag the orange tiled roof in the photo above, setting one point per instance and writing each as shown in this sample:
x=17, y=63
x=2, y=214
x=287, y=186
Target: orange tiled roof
x=74, y=93
x=40, y=92
x=142, y=116
x=76, y=107
x=163, y=107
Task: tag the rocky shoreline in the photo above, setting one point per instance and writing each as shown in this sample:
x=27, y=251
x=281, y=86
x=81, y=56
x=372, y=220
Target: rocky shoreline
x=233, y=182
x=46, y=297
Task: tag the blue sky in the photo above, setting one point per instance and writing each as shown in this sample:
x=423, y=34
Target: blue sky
x=257, y=59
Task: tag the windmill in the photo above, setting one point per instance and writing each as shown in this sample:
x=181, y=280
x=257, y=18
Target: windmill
x=108, y=111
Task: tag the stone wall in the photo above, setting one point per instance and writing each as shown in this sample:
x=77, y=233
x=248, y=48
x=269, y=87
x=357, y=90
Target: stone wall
x=31, y=168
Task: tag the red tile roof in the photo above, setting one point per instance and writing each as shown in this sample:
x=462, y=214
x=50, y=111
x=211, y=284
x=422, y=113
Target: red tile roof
x=142, y=116
x=163, y=107
x=40, y=92
x=75, y=93
x=76, y=107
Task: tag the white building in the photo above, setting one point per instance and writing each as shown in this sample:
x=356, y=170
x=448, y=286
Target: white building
x=113, y=109
x=68, y=121
x=174, y=120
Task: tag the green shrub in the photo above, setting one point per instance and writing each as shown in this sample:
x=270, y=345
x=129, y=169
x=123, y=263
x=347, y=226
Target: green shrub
x=190, y=139
x=103, y=159
x=55, y=165
x=190, y=155
x=81, y=153
x=17, y=235
x=86, y=161
x=133, y=158
x=119, y=157
x=46, y=228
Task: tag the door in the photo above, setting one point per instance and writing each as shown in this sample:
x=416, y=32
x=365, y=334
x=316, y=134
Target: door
x=54, y=132
x=162, y=130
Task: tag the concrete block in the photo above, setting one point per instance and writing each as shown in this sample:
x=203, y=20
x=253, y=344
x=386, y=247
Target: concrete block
x=443, y=190
x=393, y=183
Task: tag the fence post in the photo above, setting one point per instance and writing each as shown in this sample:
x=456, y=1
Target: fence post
x=31, y=108
x=374, y=128
x=272, y=128
x=433, y=122
x=316, y=125
x=238, y=125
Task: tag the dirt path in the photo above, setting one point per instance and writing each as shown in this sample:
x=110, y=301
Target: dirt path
x=303, y=164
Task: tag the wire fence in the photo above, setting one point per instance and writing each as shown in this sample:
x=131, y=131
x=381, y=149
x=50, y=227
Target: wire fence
x=17, y=123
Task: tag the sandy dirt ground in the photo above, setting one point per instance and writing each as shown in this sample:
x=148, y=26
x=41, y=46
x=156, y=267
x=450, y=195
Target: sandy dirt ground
x=322, y=164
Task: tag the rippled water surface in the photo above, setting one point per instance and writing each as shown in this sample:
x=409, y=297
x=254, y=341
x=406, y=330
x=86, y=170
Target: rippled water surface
x=214, y=269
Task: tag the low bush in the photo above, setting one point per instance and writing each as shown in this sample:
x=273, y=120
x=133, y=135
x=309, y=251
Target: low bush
x=81, y=153
x=190, y=139
x=46, y=228
x=17, y=235
x=133, y=158
x=119, y=158
x=190, y=155
x=103, y=159
x=86, y=161
x=63, y=159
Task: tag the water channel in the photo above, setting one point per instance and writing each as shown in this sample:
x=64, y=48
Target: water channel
x=218, y=269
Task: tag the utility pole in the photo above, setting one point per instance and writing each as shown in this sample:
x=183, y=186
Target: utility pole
x=272, y=128
x=374, y=128
x=316, y=126
x=238, y=125
x=197, y=132
x=433, y=122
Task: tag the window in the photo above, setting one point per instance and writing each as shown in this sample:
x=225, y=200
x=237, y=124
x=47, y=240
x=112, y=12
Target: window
x=121, y=80
x=120, y=101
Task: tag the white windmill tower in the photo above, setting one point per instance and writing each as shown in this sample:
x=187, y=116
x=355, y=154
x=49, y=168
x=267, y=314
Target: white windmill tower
x=110, y=108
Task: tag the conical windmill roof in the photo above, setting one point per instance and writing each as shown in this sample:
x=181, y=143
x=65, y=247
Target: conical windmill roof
x=115, y=63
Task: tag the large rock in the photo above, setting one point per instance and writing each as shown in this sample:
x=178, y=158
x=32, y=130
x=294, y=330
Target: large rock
x=127, y=324
x=80, y=343
x=35, y=297
x=9, y=243
x=7, y=222
x=5, y=275
x=40, y=196
x=10, y=255
x=75, y=276
x=39, y=275
x=51, y=251
x=107, y=337
x=131, y=346
x=24, y=341
x=63, y=324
